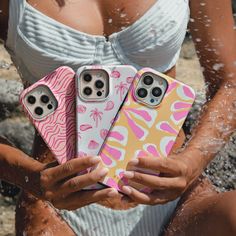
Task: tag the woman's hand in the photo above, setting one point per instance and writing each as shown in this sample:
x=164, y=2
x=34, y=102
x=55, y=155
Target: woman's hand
x=61, y=186
x=178, y=171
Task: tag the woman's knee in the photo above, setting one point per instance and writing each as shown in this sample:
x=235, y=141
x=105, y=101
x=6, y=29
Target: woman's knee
x=225, y=209
x=35, y=217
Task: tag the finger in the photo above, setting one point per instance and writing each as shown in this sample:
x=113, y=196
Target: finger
x=79, y=182
x=157, y=197
x=71, y=167
x=158, y=164
x=136, y=195
x=155, y=182
x=82, y=198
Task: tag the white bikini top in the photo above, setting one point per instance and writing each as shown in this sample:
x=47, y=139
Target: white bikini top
x=39, y=44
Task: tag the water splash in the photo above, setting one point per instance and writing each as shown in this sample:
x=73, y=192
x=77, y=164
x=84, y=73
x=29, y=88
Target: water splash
x=26, y=179
x=217, y=66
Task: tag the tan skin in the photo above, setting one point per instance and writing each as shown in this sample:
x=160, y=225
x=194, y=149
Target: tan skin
x=202, y=211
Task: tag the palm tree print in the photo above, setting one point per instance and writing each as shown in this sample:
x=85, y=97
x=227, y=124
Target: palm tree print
x=96, y=115
x=121, y=89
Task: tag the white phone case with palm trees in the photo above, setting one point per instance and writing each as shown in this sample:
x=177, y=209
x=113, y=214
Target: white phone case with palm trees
x=94, y=119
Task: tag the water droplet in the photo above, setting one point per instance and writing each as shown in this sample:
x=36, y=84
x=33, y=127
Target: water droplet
x=109, y=20
x=26, y=179
x=231, y=75
x=122, y=15
x=191, y=20
x=202, y=4
x=198, y=40
x=217, y=66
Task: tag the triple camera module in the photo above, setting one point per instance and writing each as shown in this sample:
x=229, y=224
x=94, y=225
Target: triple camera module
x=40, y=102
x=151, y=89
x=39, y=110
x=94, y=85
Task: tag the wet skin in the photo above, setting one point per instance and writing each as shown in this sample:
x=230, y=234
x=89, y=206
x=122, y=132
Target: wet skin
x=201, y=208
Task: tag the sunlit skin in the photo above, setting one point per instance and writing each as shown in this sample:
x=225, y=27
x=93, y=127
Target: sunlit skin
x=202, y=211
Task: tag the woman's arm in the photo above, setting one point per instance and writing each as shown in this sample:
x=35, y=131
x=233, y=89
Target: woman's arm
x=212, y=28
x=59, y=184
x=18, y=168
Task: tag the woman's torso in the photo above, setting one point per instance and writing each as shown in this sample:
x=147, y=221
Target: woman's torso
x=43, y=35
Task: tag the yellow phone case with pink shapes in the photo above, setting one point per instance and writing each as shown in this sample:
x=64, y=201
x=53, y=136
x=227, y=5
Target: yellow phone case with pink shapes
x=141, y=129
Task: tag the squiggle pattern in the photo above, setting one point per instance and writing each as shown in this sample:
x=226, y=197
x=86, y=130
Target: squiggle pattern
x=58, y=129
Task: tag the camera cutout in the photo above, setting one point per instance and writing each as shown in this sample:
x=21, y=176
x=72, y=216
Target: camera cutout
x=151, y=89
x=93, y=85
x=40, y=102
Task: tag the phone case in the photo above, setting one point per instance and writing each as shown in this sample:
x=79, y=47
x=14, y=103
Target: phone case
x=58, y=129
x=140, y=129
x=94, y=119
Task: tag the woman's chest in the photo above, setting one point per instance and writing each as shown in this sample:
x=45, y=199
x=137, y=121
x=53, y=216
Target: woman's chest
x=41, y=43
x=97, y=17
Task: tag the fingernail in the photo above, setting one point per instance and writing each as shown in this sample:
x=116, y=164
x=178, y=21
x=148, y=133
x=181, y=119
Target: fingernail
x=134, y=162
x=126, y=190
x=129, y=174
x=112, y=193
x=103, y=172
x=95, y=159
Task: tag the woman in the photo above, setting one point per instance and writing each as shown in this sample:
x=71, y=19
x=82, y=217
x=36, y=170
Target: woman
x=40, y=35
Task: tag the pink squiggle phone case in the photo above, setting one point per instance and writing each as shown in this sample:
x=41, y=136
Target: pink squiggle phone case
x=140, y=129
x=58, y=129
x=93, y=118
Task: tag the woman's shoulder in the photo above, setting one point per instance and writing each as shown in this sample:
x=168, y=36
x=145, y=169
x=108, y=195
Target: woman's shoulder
x=4, y=9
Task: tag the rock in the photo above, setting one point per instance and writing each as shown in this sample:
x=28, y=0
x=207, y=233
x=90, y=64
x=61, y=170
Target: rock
x=7, y=216
x=188, y=49
x=222, y=170
x=19, y=131
x=9, y=96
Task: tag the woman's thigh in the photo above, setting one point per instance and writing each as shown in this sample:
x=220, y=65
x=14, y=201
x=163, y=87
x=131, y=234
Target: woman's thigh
x=35, y=217
x=204, y=211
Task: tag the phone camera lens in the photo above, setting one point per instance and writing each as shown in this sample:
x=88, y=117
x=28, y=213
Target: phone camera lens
x=99, y=93
x=156, y=92
x=44, y=99
x=38, y=111
x=49, y=106
x=87, y=91
x=148, y=80
x=142, y=92
x=99, y=84
x=87, y=77
x=31, y=99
